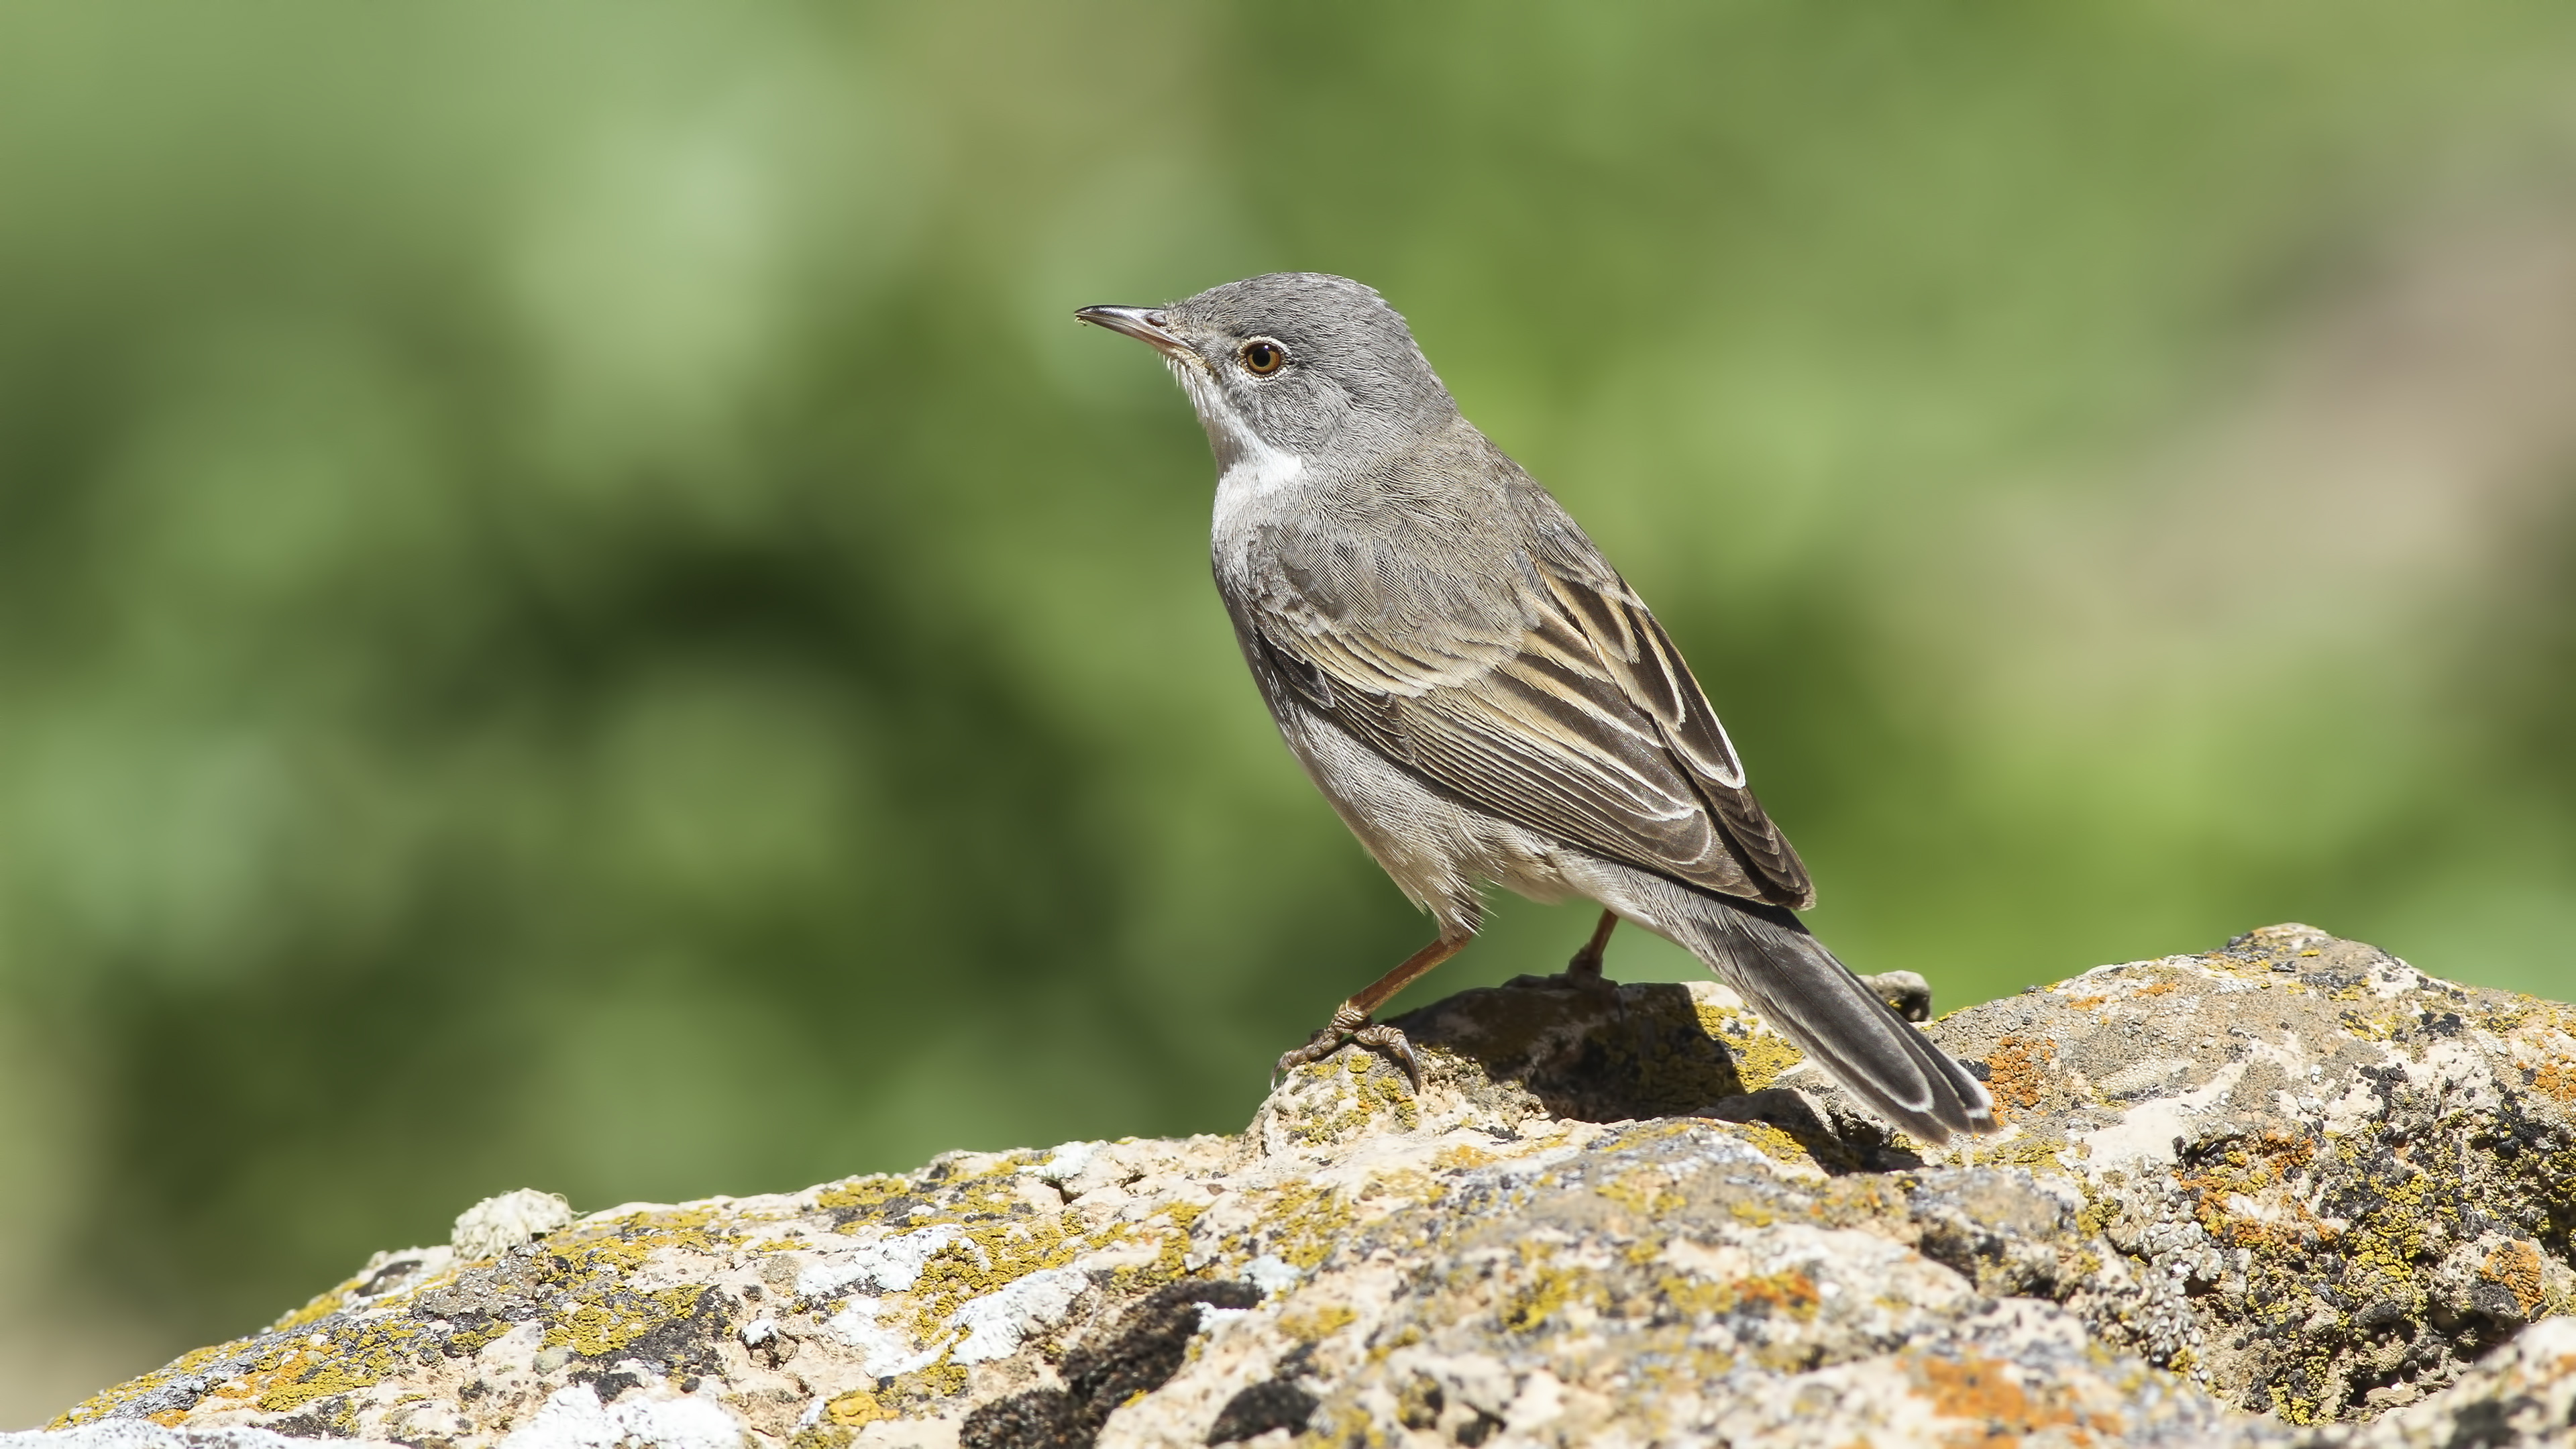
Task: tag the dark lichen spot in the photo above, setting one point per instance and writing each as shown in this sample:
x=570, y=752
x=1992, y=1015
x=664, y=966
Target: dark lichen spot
x=687, y=1345
x=388, y=1277
x=2486, y=1425
x=1038, y=1419
x=1151, y=1344
x=324, y=1419
x=607, y=1386
x=1270, y=1404
x=1148, y=1347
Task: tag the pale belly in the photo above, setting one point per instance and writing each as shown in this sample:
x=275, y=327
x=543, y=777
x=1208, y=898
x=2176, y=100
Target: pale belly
x=1438, y=852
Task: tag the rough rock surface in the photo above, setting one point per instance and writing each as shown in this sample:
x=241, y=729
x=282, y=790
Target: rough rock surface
x=2291, y=1192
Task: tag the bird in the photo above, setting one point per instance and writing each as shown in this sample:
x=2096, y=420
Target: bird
x=1482, y=698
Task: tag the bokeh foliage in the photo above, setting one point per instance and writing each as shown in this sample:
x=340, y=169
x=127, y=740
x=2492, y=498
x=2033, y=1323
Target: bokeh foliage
x=575, y=611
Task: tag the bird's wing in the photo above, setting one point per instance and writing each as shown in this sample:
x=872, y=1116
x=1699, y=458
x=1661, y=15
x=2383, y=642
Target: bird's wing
x=1584, y=724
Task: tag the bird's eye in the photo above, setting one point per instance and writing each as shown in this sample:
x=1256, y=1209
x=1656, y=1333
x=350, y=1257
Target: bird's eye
x=1261, y=356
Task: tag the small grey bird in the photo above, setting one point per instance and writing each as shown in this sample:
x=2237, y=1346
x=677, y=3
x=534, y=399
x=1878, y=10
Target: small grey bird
x=1478, y=693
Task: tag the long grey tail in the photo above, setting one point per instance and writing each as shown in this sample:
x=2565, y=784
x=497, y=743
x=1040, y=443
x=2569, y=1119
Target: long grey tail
x=1815, y=1001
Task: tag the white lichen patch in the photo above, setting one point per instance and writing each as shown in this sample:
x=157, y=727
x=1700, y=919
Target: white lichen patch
x=512, y=1220
x=878, y=1265
x=995, y=1325
x=576, y=1419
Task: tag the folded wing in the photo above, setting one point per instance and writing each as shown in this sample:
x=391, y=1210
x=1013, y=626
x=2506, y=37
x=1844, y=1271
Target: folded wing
x=1584, y=724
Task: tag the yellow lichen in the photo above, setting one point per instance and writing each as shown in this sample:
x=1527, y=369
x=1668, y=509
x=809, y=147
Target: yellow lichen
x=622, y=1244
x=1367, y=1086
x=599, y=1328
x=942, y=1380
x=466, y=1342
x=292, y=1376
x=1545, y=1293
x=863, y=1194
x=106, y=1401
x=1772, y=1142
x=990, y=1256
x=1304, y=1223
x=1760, y=1053
x=2026, y=1149
x=855, y=1409
x=1317, y=1324
x=1404, y=1184
x=1646, y=1191
x=1462, y=1156
x=319, y=1307
x=1171, y=1252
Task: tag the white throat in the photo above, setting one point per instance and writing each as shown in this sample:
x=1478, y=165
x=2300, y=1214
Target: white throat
x=1254, y=470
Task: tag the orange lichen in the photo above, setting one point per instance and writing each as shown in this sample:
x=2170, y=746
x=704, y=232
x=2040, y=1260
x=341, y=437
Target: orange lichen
x=2244, y=1175
x=1790, y=1292
x=2018, y=1070
x=2516, y=1265
x=1985, y=1393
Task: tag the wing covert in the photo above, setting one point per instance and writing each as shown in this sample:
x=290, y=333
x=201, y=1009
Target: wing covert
x=1585, y=725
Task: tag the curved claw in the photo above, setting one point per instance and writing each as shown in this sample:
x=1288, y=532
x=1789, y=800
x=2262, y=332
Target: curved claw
x=1322, y=1044
x=1388, y=1040
x=1349, y=1028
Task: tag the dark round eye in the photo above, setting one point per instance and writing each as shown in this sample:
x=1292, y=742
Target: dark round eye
x=1262, y=357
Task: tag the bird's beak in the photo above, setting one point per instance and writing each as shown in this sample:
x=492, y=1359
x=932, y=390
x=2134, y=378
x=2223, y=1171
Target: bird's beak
x=1145, y=324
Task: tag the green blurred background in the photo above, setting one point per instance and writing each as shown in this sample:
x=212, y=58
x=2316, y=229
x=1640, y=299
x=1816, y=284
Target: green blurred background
x=576, y=612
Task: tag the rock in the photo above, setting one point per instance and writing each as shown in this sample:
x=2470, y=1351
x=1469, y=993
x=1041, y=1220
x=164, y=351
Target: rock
x=514, y=1219
x=2522, y=1394
x=2350, y=1178
x=2288, y=1193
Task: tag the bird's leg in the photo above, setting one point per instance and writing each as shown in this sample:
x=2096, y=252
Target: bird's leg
x=1351, y=1026
x=1587, y=962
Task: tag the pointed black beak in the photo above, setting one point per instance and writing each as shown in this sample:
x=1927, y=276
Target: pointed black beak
x=1145, y=324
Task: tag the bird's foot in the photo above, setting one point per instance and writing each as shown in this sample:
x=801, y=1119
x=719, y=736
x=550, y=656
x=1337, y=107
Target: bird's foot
x=1584, y=970
x=1353, y=1028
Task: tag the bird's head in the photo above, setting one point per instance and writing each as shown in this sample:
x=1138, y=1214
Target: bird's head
x=1295, y=363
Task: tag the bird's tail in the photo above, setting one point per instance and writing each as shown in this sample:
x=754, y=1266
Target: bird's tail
x=1815, y=1001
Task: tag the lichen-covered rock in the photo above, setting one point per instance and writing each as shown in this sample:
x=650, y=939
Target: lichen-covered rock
x=2353, y=1178
x=2252, y=1197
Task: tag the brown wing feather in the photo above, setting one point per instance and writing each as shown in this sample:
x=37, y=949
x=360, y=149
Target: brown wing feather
x=1699, y=741
x=1587, y=726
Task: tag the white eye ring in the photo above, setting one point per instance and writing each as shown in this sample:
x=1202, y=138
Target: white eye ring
x=1262, y=356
